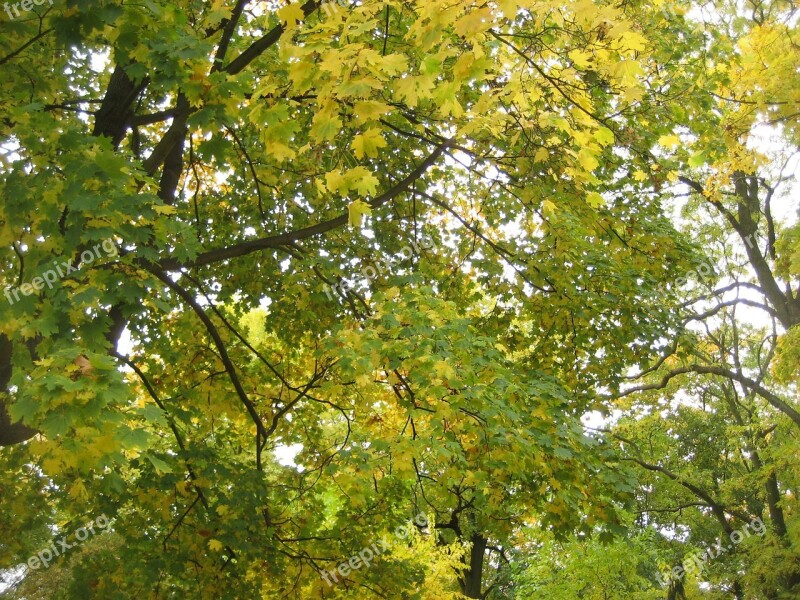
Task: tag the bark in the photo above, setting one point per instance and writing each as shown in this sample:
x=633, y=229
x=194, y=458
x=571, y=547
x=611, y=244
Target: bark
x=114, y=115
x=472, y=577
x=10, y=433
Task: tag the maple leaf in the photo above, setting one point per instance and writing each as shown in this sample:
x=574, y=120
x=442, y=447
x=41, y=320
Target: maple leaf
x=356, y=211
x=368, y=143
x=291, y=14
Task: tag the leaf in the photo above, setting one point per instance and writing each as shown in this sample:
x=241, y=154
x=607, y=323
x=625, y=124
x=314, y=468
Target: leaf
x=581, y=59
x=697, y=159
x=159, y=465
x=595, y=200
x=392, y=64
x=509, y=7
x=361, y=180
x=368, y=143
x=291, y=14
x=588, y=160
x=604, y=136
x=542, y=154
x=78, y=491
x=134, y=438
x=473, y=23
x=632, y=41
x=326, y=126
x=336, y=181
x=56, y=423
x=24, y=408
x=443, y=369
x=369, y=110
x=165, y=209
x=669, y=141
x=356, y=211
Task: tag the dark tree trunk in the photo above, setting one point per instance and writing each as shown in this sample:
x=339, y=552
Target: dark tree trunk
x=472, y=577
x=10, y=433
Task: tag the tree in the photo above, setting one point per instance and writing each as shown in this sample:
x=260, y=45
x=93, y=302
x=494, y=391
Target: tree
x=282, y=277
x=723, y=384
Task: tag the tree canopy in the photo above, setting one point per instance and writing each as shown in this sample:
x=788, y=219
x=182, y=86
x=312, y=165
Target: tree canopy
x=400, y=299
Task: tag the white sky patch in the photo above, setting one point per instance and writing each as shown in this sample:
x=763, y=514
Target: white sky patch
x=285, y=455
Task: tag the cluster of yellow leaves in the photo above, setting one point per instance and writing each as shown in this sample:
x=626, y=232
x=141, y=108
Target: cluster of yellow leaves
x=764, y=79
x=454, y=52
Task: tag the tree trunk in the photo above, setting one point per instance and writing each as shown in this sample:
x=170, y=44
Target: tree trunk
x=472, y=577
x=10, y=433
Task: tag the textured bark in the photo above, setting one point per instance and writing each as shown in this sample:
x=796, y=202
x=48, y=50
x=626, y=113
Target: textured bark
x=472, y=578
x=748, y=212
x=115, y=112
x=10, y=433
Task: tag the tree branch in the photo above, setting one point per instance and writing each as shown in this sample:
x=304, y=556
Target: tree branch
x=283, y=239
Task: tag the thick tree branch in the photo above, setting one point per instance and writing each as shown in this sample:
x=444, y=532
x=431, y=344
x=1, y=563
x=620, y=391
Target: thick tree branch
x=770, y=397
x=219, y=343
x=10, y=433
x=283, y=239
x=261, y=45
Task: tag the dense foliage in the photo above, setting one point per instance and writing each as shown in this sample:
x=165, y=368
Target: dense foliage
x=390, y=299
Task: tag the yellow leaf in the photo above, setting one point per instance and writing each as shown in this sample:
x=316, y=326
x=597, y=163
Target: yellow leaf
x=361, y=180
x=165, y=209
x=604, y=136
x=368, y=143
x=215, y=545
x=640, y=175
x=595, y=200
x=587, y=160
x=280, y=152
x=669, y=141
x=631, y=41
x=393, y=64
x=356, y=211
x=548, y=208
x=580, y=58
x=412, y=88
x=335, y=181
x=369, y=110
x=326, y=126
x=443, y=369
x=627, y=71
x=473, y=23
x=78, y=491
x=364, y=379
x=463, y=66
x=509, y=7
x=52, y=465
x=541, y=155
x=291, y=14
